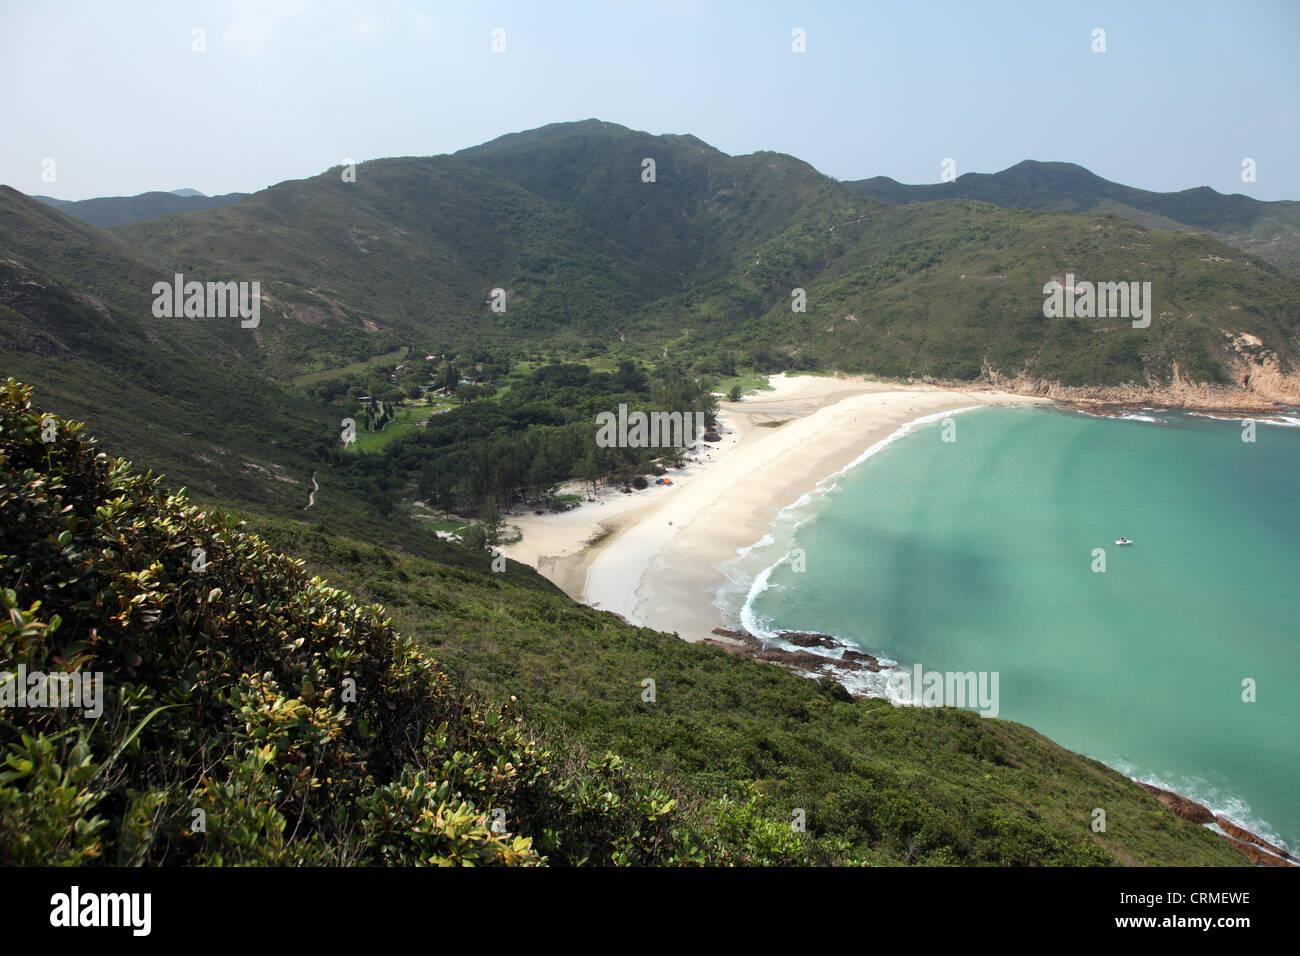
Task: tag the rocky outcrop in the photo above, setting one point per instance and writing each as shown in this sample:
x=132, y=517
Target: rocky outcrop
x=1257, y=368
x=809, y=639
x=1257, y=845
x=868, y=662
x=1259, y=383
x=1259, y=850
x=1188, y=396
x=739, y=641
x=1258, y=856
x=1180, y=805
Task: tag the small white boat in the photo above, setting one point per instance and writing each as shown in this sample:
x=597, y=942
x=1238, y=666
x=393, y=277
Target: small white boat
x=1123, y=541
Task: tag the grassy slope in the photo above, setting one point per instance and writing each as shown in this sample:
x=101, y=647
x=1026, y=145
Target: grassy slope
x=176, y=395
x=900, y=785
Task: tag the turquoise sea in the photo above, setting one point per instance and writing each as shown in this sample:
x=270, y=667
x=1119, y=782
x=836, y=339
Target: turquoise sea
x=977, y=554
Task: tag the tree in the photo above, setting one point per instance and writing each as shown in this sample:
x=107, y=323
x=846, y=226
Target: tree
x=629, y=377
x=735, y=393
x=489, y=517
x=764, y=358
x=710, y=409
x=474, y=538
x=539, y=478
x=590, y=472
x=427, y=483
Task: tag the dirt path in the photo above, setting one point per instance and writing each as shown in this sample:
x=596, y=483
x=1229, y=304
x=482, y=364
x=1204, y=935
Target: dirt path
x=311, y=495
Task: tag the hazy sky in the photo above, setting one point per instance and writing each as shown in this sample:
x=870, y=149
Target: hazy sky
x=114, y=93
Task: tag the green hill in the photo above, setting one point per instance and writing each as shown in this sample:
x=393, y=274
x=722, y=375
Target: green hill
x=954, y=290
x=111, y=211
x=229, y=690
x=588, y=253
x=703, y=207
x=1270, y=230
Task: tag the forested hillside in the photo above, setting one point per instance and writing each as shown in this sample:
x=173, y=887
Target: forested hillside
x=1270, y=230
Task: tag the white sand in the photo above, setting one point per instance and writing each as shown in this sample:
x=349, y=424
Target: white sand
x=655, y=564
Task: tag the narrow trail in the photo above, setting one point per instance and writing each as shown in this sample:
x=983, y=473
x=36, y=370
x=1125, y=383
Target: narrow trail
x=849, y=223
x=311, y=495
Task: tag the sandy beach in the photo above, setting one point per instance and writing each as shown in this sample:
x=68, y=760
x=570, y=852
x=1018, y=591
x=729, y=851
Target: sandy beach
x=650, y=555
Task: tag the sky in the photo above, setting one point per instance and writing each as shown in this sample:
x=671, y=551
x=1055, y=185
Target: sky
x=103, y=99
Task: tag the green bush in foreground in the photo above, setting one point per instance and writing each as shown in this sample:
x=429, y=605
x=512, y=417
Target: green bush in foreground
x=248, y=714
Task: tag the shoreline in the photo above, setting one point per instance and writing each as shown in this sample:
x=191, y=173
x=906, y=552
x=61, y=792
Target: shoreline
x=671, y=542
x=652, y=556
x=675, y=553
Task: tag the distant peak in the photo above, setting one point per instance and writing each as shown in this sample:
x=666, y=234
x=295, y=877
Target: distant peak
x=1051, y=166
x=562, y=132
x=188, y=192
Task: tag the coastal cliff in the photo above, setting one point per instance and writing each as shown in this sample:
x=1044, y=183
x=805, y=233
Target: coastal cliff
x=1259, y=383
x=1259, y=850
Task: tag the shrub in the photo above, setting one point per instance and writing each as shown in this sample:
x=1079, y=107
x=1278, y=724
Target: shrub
x=251, y=714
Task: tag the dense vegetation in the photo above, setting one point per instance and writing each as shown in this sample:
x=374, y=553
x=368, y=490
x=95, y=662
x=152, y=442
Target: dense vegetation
x=540, y=433
x=1270, y=230
x=227, y=692
x=250, y=713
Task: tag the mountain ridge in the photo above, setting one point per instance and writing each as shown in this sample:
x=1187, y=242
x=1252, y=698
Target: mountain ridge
x=1270, y=229
x=109, y=211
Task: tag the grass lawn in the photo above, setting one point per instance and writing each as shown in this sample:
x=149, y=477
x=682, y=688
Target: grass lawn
x=406, y=417
x=750, y=383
